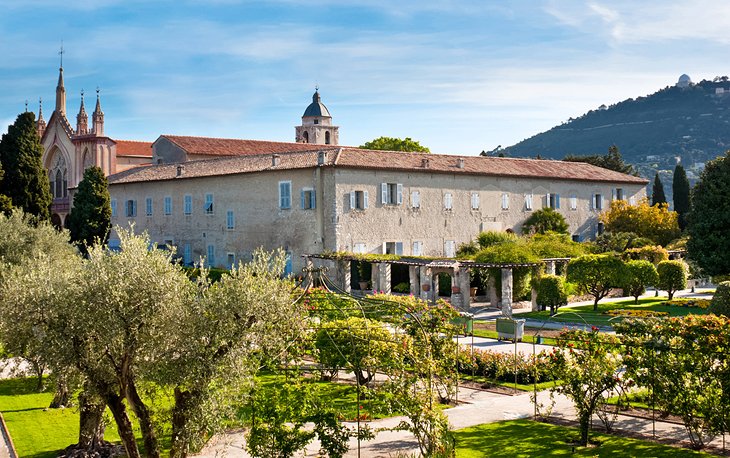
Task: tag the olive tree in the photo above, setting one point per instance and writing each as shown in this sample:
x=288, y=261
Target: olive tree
x=595, y=274
x=672, y=276
x=637, y=274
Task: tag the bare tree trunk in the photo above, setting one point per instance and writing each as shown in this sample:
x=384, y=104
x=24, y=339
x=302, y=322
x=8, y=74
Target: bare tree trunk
x=61, y=397
x=179, y=448
x=149, y=436
x=91, y=424
x=124, y=426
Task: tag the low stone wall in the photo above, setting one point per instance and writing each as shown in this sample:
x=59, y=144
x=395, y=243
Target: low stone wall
x=7, y=449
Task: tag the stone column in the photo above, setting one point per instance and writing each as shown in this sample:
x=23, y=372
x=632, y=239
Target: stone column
x=507, y=292
x=414, y=280
x=550, y=267
x=465, y=284
x=535, y=273
x=493, y=296
x=425, y=278
x=375, y=276
x=344, y=275
x=308, y=266
x=384, y=278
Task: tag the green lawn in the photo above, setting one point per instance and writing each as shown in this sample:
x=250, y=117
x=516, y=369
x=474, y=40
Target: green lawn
x=517, y=386
x=527, y=338
x=526, y=438
x=579, y=314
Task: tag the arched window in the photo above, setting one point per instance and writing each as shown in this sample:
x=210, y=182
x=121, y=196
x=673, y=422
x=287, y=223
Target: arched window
x=88, y=160
x=305, y=136
x=52, y=184
x=65, y=184
x=59, y=183
x=327, y=138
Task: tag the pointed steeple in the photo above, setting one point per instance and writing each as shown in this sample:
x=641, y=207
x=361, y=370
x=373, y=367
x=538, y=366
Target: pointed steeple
x=60, y=89
x=82, y=119
x=41, y=124
x=98, y=117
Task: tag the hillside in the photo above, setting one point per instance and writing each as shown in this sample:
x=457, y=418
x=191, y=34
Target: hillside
x=691, y=122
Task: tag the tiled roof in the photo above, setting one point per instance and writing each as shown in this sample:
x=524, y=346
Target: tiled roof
x=233, y=147
x=379, y=160
x=133, y=148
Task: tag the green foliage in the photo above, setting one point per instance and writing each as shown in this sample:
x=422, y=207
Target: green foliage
x=555, y=245
x=596, y=274
x=586, y=363
x=720, y=304
x=656, y=223
x=619, y=242
x=505, y=367
x=90, y=217
x=680, y=193
x=489, y=238
x=467, y=250
x=657, y=192
x=684, y=362
x=653, y=254
x=516, y=252
x=709, y=219
x=545, y=220
x=551, y=292
x=612, y=161
x=25, y=181
x=672, y=276
x=395, y=144
x=403, y=288
x=637, y=274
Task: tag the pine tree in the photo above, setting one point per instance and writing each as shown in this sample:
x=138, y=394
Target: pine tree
x=680, y=190
x=657, y=192
x=90, y=217
x=25, y=181
x=5, y=203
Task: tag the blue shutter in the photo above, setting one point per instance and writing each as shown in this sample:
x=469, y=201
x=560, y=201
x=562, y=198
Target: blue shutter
x=364, y=199
x=399, y=248
x=399, y=188
x=304, y=203
x=383, y=193
x=313, y=199
x=353, y=200
x=557, y=200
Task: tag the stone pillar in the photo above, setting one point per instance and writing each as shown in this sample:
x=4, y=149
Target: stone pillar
x=550, y=267
x=384, y=278
x=465, y=284
x=414, y=280
x=375, y=277
x=493, y=296
x=425, y=278
x=507, y=292
x=308, y=278
x=535, y=273
x=344, y=275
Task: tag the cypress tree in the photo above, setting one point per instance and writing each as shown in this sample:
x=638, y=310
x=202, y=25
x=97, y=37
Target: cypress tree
x=90, y=217
x=25, y=181
x=680, y=190
x=5, y=204
x=657, y=192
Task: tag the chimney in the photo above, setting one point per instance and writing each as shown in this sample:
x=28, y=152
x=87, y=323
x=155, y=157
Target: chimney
x=321, y=157
x=180, y=170
x=275, y=159
x=460, y=163
x=424, y=163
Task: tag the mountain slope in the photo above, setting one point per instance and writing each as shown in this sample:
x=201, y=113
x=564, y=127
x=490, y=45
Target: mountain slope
x=691, y=122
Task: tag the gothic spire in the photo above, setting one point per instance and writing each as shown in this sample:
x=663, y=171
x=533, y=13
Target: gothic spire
x=41, y=123
x=60, y=89
x=98, y=116
x=82, y=119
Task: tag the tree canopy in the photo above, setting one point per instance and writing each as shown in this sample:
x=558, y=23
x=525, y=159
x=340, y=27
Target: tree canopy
x=655, y=223
x=545, y=220
x=90, y=217
x=680, y=193
x=611, y=160
x=25, y=180
x=596, y=274
x=657, y=191
x=395, y=144
x=709, y=218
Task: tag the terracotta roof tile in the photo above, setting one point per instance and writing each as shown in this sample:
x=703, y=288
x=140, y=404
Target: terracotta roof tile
x=233, y=147
x=347, y=157
x=133, y=148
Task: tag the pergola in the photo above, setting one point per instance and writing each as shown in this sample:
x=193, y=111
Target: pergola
x=423, y=272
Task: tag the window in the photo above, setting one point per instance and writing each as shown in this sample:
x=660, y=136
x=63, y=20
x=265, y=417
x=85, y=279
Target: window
x=208, y=207
x=131, y=208
x=114, y=244
x=187, y=254
x=528, y=202
x=597, y=202
x=211, y=255
x=391, y=193
x=231, y=260
x=168, y=205
x=188, y=204
x=449, y=248
x=418, y=248
x=285, y=195
x=448, y=201
x=416, y=199
x=148, y=206
x=475, y=201
x=393, y=248
x=114, y=208
x=618, y=194
x=505, y=201
x=308, y=198
x=326, y=138
x=575, y=237
x=358, y=200
x=632, y=200
x=553, y=201
x=573, y=201
x=230, y=220
x=359, y=248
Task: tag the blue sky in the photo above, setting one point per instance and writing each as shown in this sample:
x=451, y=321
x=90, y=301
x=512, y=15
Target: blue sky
x=459, y=76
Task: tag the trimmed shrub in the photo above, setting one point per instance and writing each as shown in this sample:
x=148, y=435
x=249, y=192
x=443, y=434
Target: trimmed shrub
x=720, y=303
x=652, y=253
x=672, y=277
x=545, y=220
x=403, y=288
x=637, y=274
x=490, y=238
x=550, y=292
x=506, y=367
x=701, y=303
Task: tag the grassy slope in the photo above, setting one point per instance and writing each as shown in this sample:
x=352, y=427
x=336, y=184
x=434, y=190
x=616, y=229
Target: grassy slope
x=525, y=438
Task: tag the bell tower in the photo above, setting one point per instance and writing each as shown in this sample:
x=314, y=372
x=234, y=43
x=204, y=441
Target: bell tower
x=317, y=125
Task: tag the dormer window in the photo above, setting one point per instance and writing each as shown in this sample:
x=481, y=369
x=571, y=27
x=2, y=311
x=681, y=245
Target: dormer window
x=316, y=121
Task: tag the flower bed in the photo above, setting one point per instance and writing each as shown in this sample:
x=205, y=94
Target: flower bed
x=503, y=367
x=635, y=313
x=701, y=303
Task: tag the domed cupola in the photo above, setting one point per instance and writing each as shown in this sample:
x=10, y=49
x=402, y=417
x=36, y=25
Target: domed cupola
x=317, y=125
